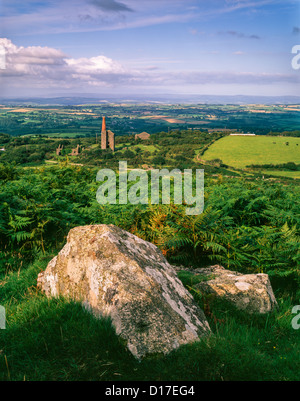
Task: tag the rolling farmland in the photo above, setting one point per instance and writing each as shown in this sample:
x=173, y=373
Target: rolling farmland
x=242, y=151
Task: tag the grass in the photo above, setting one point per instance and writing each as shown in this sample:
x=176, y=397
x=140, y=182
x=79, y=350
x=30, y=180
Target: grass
x=63, y=134
x=53, y=339
x=290, y=174
x=149, y=148
x=242, y=151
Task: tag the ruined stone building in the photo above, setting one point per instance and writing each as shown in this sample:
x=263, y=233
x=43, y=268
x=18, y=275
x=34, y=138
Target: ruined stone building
x=59, y=149
x=107, y=137
x=75, y=151
x=143, y=135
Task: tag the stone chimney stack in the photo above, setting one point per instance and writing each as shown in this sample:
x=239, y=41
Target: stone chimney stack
x=107, y=137
x=103, y=135
x=103, y=124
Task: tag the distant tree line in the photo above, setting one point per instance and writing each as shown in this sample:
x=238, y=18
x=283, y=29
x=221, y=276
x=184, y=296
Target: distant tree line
x=291, y=166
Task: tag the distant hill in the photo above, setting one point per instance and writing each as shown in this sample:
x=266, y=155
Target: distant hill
x=79, y=99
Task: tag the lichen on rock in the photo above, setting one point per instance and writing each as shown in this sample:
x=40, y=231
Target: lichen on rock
x=252, y=293
x=114, y=273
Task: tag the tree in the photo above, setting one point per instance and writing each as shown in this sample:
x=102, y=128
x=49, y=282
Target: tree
x=159, y=160
x=128, y=154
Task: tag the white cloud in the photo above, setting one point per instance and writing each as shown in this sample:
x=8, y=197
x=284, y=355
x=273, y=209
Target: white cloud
x=22, y=57
x=35, y=67
x=99, y=64
x=43, y=65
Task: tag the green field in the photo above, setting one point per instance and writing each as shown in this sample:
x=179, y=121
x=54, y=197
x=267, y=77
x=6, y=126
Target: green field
x=62, y=134
x=290, y=174
x=242, y=151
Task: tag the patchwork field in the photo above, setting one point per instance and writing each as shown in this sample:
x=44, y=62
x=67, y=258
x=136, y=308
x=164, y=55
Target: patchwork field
x=242, y=151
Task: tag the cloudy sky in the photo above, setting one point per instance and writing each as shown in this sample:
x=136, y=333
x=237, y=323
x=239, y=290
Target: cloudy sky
x=221, y=47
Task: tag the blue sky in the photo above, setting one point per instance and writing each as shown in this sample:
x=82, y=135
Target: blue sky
x=223, y=47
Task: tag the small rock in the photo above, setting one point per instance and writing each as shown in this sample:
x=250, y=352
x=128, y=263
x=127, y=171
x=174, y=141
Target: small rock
x=249, y=292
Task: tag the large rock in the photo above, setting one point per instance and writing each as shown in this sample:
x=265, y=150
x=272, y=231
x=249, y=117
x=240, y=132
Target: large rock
x=114, y=273
x=249, y=292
